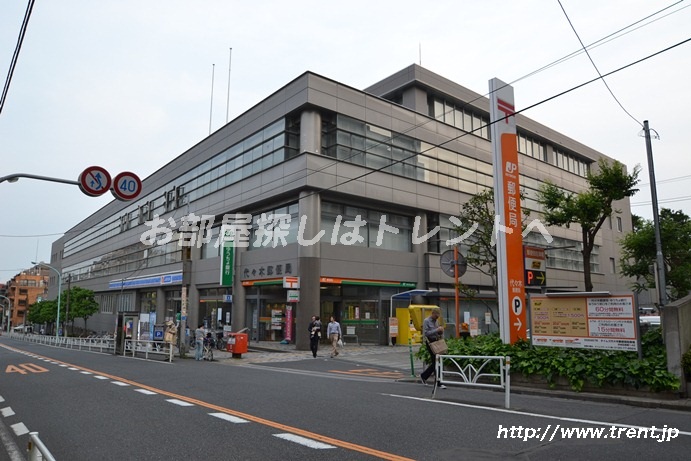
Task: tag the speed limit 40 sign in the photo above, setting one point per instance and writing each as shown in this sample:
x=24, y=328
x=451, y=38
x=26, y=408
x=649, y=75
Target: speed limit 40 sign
x=126, y=186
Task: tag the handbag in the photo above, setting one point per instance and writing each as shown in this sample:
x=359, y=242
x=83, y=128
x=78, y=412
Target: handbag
x=340, y=342
x=438, y=347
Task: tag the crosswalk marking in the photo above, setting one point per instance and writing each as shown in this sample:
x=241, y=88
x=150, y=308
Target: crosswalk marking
x=7, y=411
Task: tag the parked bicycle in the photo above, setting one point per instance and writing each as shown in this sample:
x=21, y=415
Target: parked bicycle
x=209, y=344
x=221, y=342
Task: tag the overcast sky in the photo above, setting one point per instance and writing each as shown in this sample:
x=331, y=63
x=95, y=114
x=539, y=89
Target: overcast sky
x=127, y=85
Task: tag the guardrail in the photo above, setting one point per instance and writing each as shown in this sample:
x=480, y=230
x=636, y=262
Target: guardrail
x=37, y=450
x=145, y=348
x=474, y=370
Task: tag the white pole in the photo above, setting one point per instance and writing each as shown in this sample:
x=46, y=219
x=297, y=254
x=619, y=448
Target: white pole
x=211, y=105
x=230, y=60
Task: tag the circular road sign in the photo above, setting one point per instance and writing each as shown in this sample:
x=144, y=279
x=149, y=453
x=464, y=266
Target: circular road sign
x=447, y=263
x=126, y=186
x=94, y=181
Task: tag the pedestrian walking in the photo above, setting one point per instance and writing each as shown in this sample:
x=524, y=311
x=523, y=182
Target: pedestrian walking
x=333, y=331
x=315, y=329
x=432, y=331
x=199, y=342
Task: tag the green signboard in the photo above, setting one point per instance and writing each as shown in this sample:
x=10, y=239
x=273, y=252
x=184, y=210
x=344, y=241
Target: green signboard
x=227, y=258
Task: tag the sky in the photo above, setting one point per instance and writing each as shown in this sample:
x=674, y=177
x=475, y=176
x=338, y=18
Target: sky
x=129, y=85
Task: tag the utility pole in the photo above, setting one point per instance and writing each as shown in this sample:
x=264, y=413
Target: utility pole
x=659, y=259
x=67, y=308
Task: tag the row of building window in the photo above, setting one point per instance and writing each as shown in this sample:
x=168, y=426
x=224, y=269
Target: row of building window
x=570, y=162
x=462, y=117
x=258, y=152
x=468, y=120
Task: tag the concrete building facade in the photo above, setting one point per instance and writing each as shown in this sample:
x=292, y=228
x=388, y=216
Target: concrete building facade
x=330, y=184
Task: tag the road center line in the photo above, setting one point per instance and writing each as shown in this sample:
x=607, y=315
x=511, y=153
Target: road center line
x=304, y=441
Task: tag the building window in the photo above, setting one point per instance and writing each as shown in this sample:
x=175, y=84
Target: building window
x=211, y=247
x=460, y=116
x=619, y=224
x=373, y=227
x=531, y=147
x=571, y=163
x=612, y=266
x=274, y=228
x=566, y=254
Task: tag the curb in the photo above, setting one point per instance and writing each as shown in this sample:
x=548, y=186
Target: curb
x=642, y=402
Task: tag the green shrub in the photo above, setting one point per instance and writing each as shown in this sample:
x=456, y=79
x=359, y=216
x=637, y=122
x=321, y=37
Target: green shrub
x=578, y=366
x=686, y=363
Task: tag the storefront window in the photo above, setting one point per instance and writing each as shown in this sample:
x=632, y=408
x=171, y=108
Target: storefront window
x=268, y=311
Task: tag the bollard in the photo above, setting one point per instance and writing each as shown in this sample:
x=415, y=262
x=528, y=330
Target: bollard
x=412, y=363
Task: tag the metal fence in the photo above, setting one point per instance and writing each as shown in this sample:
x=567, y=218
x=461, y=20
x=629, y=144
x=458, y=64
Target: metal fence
x=149, y=349
x=37, y=450
x=474, y=370
x=101, y=344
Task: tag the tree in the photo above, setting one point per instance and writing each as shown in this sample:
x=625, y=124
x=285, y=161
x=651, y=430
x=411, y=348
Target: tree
x=481, y=251
x=43, y=312
x=82, y=303
x=591, y=207
x=639, y=252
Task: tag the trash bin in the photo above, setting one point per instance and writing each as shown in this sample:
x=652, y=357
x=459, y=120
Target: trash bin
x=237, y=344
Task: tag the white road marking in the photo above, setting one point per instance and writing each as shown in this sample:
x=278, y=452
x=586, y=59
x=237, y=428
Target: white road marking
x=86, y=373
x=146, y=391
x=304, y=441
x=73, y=369
x=7, y=411
x=119, y=383
x=63, y=365
x=230, y=418
x=534, y=415
x=8, y=443
x=19, y=429
x=1, y=399
x=182, y=403
x=101, y=377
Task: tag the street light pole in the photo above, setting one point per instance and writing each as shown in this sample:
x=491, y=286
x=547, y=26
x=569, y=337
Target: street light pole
x=9, y=311
x=57, y=326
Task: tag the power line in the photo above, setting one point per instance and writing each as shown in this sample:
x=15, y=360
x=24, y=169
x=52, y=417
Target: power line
x=594, y=65
x=663, y=181
x=669, y=200
x=15, y=56
x=608, y=38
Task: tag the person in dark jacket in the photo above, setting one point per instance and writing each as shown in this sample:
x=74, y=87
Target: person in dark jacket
x=315, y=330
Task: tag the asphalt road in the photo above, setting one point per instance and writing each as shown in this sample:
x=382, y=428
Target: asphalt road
x=89, y=406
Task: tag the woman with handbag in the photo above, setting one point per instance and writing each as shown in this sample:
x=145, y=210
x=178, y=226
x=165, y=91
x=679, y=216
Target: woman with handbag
x=432, y=331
